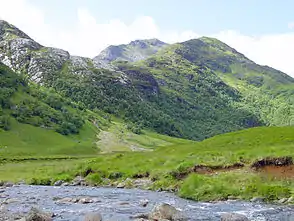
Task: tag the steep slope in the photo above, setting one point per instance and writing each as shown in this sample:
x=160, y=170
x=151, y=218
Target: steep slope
x=264, y=92
x=134, y=51
x=34, y=121
x=38, y=122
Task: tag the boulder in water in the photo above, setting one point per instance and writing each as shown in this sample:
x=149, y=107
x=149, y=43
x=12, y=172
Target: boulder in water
x=58, y=183
x=38, y=215
x=121, y=185
x=93, y=217
x=166, y=212
x=144, y=203
x=8, y=184
x=85, y=200
x=233, y=217
x=79, y=180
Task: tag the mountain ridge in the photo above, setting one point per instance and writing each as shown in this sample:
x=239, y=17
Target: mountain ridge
x=194, y=89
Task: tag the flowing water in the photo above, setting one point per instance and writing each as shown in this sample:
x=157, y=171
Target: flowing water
x=120, y=204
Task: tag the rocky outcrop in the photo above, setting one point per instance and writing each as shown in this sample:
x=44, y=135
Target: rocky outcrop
x=22, y=54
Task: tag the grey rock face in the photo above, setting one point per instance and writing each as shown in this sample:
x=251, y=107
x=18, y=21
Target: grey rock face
x=22, y=54
x=6, y=28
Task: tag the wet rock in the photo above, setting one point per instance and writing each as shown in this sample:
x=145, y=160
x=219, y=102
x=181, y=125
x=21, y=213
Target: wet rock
x=8, y=184
x=283, y=200
x=85, y=200
x=257, y=200
x=65, y=184
x=144, y=203
x=142, y=183
x=140, y=216
x=124, y=203
x=38, y=215
x=78, y=181
x=10, y=200
x=21, y=182
x=65, y=200
x=82, y=200
x=290, y=200
x=58, y=183
x=233, y=217
x=166, y=211
x=93, y=217
x=121, y=185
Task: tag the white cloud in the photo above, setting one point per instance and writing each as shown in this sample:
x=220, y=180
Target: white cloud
x=89, y=36
x=291, y=25
x=275, y=50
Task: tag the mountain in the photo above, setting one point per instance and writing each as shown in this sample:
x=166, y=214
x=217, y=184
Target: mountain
x=194, y=89
x=134, y=51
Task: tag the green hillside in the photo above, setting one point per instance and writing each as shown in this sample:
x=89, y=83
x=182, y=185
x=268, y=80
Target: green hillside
x=193, y=90
x=225, y=161
x=36, y=122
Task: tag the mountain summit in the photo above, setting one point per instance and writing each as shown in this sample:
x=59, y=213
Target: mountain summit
x=134, y=51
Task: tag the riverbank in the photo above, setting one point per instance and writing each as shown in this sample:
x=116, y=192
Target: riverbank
x=249, y=164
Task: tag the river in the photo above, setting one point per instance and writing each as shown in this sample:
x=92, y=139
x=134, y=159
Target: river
x=120, y=204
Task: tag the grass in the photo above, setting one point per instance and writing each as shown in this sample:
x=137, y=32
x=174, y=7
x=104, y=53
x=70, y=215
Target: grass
x=25, y=140
x=118, y=138
x=242, y=146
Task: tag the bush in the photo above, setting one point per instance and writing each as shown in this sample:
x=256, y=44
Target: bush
x=46, y=181
x=94, y=178
x=5, y=122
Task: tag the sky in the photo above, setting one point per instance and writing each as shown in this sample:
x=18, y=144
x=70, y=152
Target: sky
x=262, y=30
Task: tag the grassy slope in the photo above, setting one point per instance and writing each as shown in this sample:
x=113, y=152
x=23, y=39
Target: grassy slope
x=246, y=145
x=118, y=138
x=24, y=140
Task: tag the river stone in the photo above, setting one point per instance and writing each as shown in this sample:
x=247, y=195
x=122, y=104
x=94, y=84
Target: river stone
x=283, y=200
x=143, y=216
x=121, y=185
x=166, y=211
x=144, y=203
x=86, y=200
x=58, y=183
x=93, y=217
x=65, y=200
x=78, y=181
x=290, y=200
x=233, y=217
x=257, y=200
x=38, y=215
x=8, y=184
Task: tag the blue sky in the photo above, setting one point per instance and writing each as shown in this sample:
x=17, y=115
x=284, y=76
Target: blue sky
x=262, y=30
x=251, y=17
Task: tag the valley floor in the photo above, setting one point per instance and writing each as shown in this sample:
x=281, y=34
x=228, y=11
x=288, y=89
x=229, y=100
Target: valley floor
x=254, y=163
